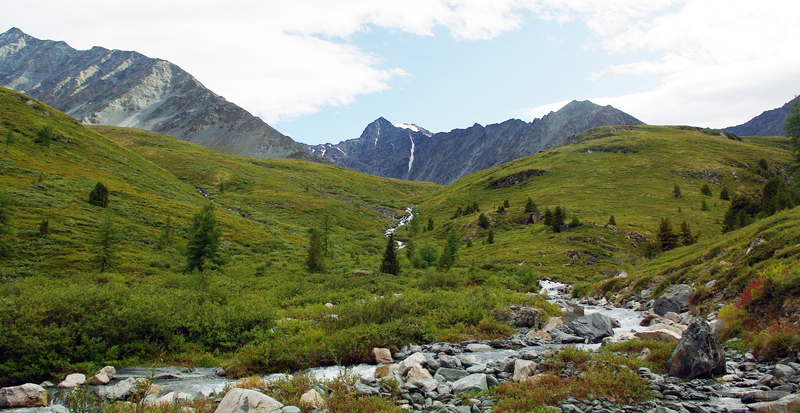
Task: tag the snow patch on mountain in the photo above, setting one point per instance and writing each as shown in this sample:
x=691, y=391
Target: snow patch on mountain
x=412, y=127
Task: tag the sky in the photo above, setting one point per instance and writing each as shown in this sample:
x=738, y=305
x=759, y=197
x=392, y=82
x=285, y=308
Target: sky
x=321, y=70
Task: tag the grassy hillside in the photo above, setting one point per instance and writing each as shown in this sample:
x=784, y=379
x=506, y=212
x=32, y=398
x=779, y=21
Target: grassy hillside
x=627, y=172
x=262, y=311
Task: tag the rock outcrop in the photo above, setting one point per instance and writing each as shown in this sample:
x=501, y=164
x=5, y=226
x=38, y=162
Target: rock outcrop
x=698, y=353
x=248, y=401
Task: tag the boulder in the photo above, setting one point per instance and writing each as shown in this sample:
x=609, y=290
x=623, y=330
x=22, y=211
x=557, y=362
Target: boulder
x=478, y=348
x=678, y=328
x=618, y=338
x=782, y=371
x=416, y=358
x=566, y=338
x=523, y=369
x=103, y=376
x=526, y=317
x=416, y=372
x=248, y=401
x=386, y=370
x=593, y=327
x=575, y=312
x=311, y=398
x=72, y=381
x=365, y=389
x=790, y=403
x=675, y=299
x=26, y=395
x=382, y=355
x=665, y=335
x=172, y=398
x=291, y=409
x=473, y=382
x=759, y=396
x=119, y=391
x=552, y=323
x=538, y=335
x=698, y=354
x=452, y=374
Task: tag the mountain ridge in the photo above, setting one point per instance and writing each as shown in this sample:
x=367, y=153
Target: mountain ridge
x=768, y=123
x=384, y=149
x=126, y=88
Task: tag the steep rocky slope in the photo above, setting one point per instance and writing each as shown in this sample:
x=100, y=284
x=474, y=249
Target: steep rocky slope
x=768, y=123
x=124, y=88
x=409, y=152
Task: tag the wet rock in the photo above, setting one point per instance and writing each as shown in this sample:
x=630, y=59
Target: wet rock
x=449, y=362
x=119, y=391
x=758, y=396
x=103, y=376
x=473, y=382
x=73, y=380
x=593, y=327
x=560, y=336
x=26, y=395
x=790, y=403
x=416, y=358
x=675, y=299
x=249, y=401
x=291, y=409
x=698, y=353
x=478, y=348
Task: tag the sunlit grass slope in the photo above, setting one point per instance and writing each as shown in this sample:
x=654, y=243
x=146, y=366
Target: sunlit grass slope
x=627, y=172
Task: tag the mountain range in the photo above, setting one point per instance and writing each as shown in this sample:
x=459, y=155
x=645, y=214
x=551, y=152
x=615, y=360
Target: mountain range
x=768, y=123
x=410, y=152
x=124, y=88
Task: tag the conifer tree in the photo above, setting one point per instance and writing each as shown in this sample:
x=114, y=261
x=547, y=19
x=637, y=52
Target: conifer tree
x=99, y=195
x=203, y=247
x=686, y=234
x=667, y=239
x=792, y=128
x=706, y=190
x=483, y=221
x=167, y=234
x=450, y=252
x=506, y=204
x=430, y=224
x=703, y=205
x=6, y=218
x=775, y=197
x=315, y=262
x=676, y=191
x=548, y=217
x=9, y=137
x=414, y=224
x=612, y=221
x=44, y=135
x=390, y=263
x=558, y=219
x=106, y=242
x=490, y=237
x=44, y=228
x=724, y=194
x=530, y=206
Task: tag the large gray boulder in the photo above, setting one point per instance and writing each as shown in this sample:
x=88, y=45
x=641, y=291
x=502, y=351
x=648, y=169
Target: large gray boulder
x=559, y=336
x=26, y=395
x=103, y=376
x=473, y=382
x=698, y=354
x=248, y=401
x=675, y=299
x=594, y=327
x=526, y=317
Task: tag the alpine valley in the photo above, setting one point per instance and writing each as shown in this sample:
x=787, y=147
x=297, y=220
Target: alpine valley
x=153, y=230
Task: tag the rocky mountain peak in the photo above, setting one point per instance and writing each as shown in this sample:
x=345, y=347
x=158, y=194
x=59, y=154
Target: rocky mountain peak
x=126, y=88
